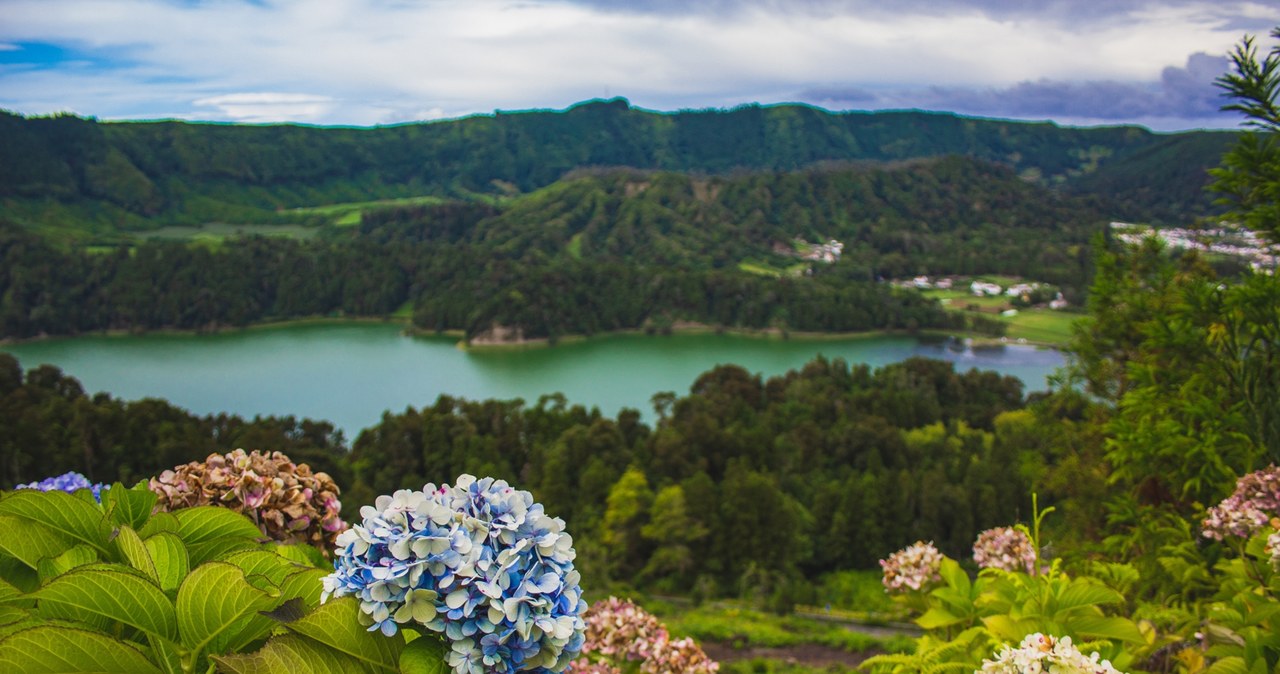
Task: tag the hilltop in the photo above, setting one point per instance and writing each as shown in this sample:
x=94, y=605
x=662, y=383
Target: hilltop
x=80, y=178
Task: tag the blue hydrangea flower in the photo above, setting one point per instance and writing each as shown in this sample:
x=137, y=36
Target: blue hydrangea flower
x=479, y=562
x=68, y=482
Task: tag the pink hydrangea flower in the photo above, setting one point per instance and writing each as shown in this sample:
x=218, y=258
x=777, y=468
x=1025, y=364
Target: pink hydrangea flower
x=620, y=631
x=1005, y=548
x=1249, y=509
x=914, y=567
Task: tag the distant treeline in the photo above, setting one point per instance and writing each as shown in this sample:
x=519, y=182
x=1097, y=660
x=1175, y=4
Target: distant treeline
x=44, y=290
x=759, y=481
x=79, y=176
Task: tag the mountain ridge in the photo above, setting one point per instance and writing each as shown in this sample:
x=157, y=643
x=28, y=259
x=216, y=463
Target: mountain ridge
x=112, y=176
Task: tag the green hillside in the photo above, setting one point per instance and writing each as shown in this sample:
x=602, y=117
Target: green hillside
x=76, y=177
x=951, y=216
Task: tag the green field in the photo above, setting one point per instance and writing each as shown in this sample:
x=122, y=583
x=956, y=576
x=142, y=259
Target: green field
x=217, y=232
x=766, y=269
x=348, y=214
x=1042, y=326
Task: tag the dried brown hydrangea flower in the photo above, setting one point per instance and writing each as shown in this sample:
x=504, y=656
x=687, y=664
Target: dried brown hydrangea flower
x=287, y=501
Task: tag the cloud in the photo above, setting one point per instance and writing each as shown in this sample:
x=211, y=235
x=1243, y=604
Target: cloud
x=372, y=61
x=269, y=106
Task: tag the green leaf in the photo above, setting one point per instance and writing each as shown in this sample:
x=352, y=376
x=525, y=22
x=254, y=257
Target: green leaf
x=262, y=562
x=1105, y=627
x=425, y=655
x=937, y=617
x=1081, y=593
x=305, y=554
x=208, y=523
x=30, y=541
x=170, y=558
x=337, y=624
x=70, y=516
x=218, y=548
x=54, y=650
x=292, y=653
x=954, y=576
x=11, y=595
x=158, y=523
x=130, y=507
x=212, y=601
x=305, y=584
x=116, y=595
x=135, y=552
x=1230, y=665
x=77, y=555
x=18, y=574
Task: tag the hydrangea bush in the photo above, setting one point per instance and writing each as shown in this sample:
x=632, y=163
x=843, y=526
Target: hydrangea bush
x=1044, y=653
x=478, y=562
x=1249, y=509
x=1005, y=548
x=914, y=567
x=68, y=482
x=289, y=503
x=618, y=631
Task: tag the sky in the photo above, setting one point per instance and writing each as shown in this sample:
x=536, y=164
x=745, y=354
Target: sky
x=369, y=62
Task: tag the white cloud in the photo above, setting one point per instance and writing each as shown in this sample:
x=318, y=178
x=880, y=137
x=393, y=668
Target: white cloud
x=368, y=61
x=269, y=107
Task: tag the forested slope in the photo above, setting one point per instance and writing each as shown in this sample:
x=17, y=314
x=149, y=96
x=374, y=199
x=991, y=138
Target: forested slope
x=104, y=176
x=599, y=251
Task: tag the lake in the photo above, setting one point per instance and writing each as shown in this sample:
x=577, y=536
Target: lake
x=349, y=373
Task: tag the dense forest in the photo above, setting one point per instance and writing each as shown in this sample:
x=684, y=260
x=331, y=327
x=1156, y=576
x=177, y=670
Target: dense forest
x=867, y=461
x=82, y=178
x=596, y=252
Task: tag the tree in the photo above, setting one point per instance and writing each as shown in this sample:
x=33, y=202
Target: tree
x=1249, y=178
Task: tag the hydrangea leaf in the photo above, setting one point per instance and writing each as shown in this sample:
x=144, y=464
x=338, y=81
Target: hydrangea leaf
x=10, y=594
x=126, y=506
x=218, y=548
x=212, y=601
x=76, y=555
x=305, y=584
x=14, y=571
x=263, y=563
x=59, y=511
x=293, y=653
x=1105, y=627
x=170, y=557
x=425, y=655
x=115, y=595
x=337, y=624
x=135, y=552
x=158, y=523
x=30, y=541
x=203, y=524
x=51, y=649
x=305, y=554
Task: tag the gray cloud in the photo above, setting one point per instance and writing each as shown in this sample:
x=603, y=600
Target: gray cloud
x=1235, y=14
x=1182, y=93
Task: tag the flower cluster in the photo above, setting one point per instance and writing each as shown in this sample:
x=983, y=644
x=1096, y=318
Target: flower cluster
x=913, y=567
x=68, y=482
x=1005, y=548
x=1249, y=509
x=289, y=502
x=621, y=631
x=1044, y=653
x=479, y=562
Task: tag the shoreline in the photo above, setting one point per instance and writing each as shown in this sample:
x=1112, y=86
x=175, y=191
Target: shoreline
x=482, y=344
